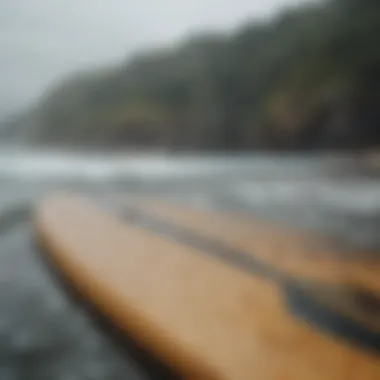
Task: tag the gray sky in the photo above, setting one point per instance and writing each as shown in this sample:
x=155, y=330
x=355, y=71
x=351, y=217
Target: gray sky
x=41, y=40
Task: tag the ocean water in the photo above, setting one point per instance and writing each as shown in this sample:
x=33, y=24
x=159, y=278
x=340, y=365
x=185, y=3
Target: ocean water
x=45, y=335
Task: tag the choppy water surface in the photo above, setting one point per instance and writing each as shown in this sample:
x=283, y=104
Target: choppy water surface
x=43, y=335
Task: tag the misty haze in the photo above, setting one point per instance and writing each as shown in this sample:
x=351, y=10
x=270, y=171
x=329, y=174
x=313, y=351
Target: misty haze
x=42, y=40
x=244, y=131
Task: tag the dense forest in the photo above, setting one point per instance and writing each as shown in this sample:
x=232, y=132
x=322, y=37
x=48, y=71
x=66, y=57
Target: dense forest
x=308, y=78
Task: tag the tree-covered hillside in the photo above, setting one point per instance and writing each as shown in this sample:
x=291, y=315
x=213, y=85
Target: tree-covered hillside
x=309, y=78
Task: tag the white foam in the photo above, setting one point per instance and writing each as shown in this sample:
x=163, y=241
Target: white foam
x=340, y=195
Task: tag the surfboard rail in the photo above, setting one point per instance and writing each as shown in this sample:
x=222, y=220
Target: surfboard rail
x=203, y=317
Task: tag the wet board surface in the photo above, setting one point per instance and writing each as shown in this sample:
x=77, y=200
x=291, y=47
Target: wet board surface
x=206, y=315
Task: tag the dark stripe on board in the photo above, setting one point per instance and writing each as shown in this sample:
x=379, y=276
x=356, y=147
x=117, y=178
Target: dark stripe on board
x=207, y=246
x=300, y=302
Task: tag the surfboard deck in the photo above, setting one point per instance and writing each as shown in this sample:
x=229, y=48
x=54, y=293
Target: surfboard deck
x=189, y=304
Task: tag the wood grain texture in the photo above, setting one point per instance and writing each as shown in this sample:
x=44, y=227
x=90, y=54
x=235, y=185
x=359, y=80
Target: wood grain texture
x=202, y=317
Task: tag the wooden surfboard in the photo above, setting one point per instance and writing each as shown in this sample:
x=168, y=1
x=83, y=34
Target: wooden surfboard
x=219, y=296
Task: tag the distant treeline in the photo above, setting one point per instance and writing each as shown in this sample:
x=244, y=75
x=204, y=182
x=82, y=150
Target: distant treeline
x=309, y=78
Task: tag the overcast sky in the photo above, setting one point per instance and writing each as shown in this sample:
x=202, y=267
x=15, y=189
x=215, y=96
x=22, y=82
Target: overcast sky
x=41, y=40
